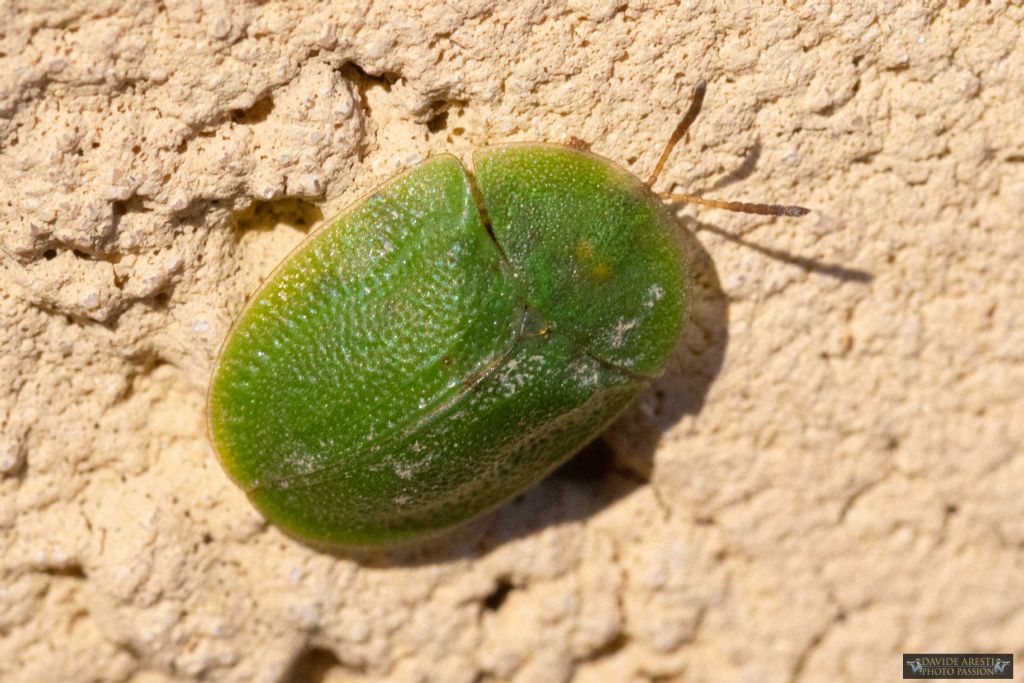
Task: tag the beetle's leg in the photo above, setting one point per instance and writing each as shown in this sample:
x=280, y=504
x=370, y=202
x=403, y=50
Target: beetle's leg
x=577, y=144
x=691, y=113
x=741, y=207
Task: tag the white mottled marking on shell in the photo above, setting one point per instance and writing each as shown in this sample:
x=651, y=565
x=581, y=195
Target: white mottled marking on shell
x=585, y=373
x=622, y=328
x=654, y=295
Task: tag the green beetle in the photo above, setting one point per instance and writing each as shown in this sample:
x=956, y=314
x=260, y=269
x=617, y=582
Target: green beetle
x=444, y=343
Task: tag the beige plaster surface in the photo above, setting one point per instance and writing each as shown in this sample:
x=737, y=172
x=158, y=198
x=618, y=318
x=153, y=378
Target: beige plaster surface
x=829, y=474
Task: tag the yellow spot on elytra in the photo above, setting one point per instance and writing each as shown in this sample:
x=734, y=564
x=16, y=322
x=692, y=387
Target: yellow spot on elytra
x=584, y=250
x=596, y=267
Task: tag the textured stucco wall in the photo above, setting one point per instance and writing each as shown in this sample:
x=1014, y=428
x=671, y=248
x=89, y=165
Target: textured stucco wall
x=829, y=474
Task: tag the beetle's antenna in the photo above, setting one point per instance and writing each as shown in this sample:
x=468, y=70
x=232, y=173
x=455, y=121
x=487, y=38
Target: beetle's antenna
x=742, y=207
x=691, y=113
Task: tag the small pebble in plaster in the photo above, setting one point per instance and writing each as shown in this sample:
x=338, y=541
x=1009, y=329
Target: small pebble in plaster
x=220, y=27
x=222, y=630
x=309, y=185
x=12, y=456
x=269, y=192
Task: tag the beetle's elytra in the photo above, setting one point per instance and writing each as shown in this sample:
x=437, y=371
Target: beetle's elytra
x=446, y=342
